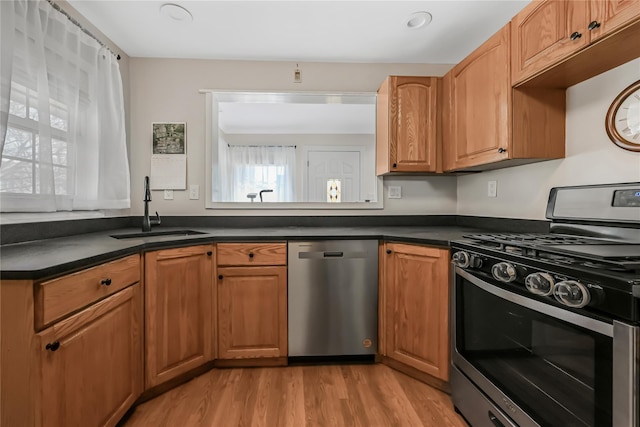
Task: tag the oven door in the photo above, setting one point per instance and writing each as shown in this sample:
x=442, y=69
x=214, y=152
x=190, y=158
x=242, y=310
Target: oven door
x=540, y=364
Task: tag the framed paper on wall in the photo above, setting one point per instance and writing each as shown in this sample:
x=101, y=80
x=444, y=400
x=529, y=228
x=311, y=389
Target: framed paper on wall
x=169, y=156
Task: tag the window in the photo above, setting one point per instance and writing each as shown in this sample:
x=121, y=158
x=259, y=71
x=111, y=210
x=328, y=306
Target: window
x=61, y=116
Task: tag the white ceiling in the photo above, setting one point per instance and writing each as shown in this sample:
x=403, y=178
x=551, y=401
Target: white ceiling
x=302, y=30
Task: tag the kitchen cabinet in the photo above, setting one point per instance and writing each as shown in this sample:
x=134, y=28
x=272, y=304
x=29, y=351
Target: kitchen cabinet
x=252, y=301
x=91, y=363
x=179, y=302
x=545, y=33
x=407, y=125
x=415, y=307
x=487, y=124
x=72, y=347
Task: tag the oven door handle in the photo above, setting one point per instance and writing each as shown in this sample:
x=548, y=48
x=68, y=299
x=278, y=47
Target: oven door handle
x=549, y=310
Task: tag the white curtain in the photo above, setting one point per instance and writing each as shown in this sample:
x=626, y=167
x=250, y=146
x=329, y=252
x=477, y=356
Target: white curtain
x=61, y=115
x=251, y=169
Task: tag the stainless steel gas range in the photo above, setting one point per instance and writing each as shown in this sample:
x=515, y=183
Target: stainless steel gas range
x=546, y=327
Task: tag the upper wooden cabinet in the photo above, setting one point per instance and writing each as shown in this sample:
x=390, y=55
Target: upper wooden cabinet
x=415, y=307
x=487, y=124
x=178, y=311
x=546, y=32
x=406, y=125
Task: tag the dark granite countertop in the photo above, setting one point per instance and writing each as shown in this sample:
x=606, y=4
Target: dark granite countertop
x=41, y=259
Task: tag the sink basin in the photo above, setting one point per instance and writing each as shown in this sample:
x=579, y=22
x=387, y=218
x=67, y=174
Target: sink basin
x=141, y=235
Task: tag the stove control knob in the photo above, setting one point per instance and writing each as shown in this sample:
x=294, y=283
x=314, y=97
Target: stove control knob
x=572, y=293
x=461, y=259
x=475, y=261
x=504, y=272
x=539, y=283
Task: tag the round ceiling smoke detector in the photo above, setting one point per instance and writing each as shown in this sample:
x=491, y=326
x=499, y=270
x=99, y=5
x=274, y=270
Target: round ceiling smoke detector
x=418, y=20
x=176, y=13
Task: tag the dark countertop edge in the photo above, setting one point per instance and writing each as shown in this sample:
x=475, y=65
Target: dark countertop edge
x=140, y=247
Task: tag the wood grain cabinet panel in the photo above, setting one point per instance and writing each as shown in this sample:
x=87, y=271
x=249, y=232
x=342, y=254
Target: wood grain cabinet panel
x=406, y=134
x=252, y=312
x=415, y=288
x=488, y=124
x=251, y=254
x=91, y=363
x=545, y=34
x=61, y=296
x=178, y=311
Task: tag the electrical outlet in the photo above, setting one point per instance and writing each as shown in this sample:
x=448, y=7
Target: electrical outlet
x=194, y=192
x=168, y=194
x=492, y=189
x=395, y=192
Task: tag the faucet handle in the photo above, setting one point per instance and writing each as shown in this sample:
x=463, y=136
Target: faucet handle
x=156, y=220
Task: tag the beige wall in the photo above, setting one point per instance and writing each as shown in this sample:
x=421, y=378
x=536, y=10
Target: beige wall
x=591, y=157
x=168, y=90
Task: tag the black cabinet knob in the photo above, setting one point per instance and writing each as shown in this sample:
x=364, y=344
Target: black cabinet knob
x=250, y=254
x=53, y=346
x=106, y=281
x=209, y=253
x=388, y=251
x=593, y=25
x=394, y=165
x=575, y=35
x=501, y=150
x=220, y=277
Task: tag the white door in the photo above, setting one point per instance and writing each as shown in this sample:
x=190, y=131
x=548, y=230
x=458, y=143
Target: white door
x=340, y=165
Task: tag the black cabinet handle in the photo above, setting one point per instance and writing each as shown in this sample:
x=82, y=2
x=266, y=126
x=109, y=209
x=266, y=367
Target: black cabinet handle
x=575, y=35
x=53, y=346
x=250, y=254
x=501, y=150
x=220, y=277
x=106, y=281
x=593, y=25
x=209, y=253
x=394, y=165
x=388, y=251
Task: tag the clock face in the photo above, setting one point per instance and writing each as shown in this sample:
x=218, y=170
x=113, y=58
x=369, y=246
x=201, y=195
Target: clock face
x=623, y=119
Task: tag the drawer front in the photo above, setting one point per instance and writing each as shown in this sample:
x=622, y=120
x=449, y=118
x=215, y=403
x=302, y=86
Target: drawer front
x=56, y=298
x=245, y=254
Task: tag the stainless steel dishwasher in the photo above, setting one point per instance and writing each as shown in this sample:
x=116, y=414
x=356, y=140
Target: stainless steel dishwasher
x=333, y=298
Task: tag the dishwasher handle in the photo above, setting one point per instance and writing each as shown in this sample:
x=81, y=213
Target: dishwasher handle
x=333, y=254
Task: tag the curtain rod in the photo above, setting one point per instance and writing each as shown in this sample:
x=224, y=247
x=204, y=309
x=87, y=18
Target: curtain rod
x=84, y=30
x=244, y=145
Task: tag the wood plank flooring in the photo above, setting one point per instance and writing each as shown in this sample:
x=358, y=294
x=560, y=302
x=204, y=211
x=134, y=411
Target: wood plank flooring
x=300, y=396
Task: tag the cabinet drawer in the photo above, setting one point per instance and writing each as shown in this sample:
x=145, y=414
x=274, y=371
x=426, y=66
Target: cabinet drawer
x=59, y=297
x=252, y=253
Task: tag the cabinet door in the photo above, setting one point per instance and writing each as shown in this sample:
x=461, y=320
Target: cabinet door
x=545, y=32
x=178, y=297
x=478, y=114
x=91, y=363
x=417, y=307
x=607, y=16
x=406, y=133
x=252, y=312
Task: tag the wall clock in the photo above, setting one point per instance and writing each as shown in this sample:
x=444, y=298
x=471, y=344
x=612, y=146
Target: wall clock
x=623, y=118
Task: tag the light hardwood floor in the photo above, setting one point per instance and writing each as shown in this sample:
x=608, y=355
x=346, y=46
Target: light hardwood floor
x=300, y=396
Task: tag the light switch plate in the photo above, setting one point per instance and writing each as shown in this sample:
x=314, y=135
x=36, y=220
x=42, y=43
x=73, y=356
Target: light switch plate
x=492, y=189
x=194, y=192
x=168, y=194
x=395, y=192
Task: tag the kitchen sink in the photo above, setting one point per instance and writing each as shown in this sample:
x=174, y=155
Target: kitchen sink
x=141, y=235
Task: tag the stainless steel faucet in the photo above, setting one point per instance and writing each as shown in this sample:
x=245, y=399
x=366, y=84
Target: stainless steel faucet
x=146, y=221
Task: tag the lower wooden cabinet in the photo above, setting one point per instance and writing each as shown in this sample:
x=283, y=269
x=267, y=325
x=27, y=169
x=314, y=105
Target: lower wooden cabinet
x=91, y=363
x=252, y=312
x=252, y=301
x=414, y=307
x=178, y=311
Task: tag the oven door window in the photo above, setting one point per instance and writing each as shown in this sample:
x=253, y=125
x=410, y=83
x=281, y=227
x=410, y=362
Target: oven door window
x=560, y=374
